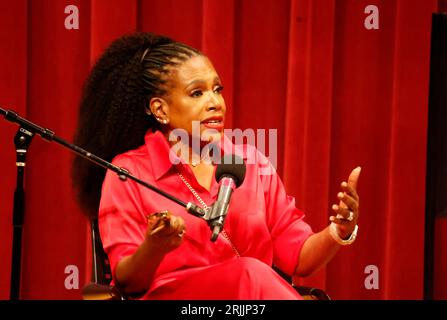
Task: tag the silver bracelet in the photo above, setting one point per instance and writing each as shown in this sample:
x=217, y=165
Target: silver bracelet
x=333, y=230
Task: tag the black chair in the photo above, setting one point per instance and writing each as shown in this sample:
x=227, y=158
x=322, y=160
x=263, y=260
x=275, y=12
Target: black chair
x=100, y=288
x=308, y=293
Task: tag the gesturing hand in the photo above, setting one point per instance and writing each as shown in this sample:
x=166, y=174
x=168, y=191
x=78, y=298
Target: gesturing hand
x=348, y=209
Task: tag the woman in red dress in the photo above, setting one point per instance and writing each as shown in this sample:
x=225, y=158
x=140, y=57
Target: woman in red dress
x=144, y=89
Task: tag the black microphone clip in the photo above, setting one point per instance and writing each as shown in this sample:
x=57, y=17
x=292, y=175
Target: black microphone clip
x=218, y=214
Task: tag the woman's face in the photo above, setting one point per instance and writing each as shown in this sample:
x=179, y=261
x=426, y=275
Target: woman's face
x=194, y=94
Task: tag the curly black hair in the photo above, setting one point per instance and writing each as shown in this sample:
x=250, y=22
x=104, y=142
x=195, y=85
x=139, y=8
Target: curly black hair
x=112, y=115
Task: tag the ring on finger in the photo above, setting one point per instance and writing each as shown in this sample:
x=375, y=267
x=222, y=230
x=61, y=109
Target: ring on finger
x=350, y=216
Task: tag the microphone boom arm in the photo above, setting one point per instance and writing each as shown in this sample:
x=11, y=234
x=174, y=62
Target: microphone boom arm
x=122, y=173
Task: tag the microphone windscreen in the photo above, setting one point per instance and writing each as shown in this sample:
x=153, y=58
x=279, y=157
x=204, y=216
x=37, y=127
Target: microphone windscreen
x=231, y=166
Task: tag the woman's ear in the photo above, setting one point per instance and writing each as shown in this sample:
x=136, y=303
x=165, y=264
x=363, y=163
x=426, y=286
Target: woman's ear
x=160, y=109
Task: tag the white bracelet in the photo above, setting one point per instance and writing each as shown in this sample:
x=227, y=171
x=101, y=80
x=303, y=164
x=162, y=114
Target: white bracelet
x=333, y=230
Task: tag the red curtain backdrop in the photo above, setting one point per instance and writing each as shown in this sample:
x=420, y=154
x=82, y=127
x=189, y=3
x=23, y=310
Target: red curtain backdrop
x=338, y=94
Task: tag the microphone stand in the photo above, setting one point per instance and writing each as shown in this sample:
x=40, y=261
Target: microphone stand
x=22, y=141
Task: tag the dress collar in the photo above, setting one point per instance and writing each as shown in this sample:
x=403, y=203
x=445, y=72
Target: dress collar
x=163, y=158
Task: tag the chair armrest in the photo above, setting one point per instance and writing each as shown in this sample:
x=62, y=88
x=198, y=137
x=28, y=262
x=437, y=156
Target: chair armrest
x=96, y=291
x=310, y=293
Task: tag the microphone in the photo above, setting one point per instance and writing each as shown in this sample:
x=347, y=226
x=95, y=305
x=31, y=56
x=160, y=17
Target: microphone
x=230, y=174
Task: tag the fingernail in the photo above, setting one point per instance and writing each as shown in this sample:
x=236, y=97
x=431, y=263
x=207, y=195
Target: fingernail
x=344, y=184
x=156, y=230
x=335, y=207
x=359, y=169
x=340, y=195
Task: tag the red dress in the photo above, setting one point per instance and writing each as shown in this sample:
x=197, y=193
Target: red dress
x=263, y=225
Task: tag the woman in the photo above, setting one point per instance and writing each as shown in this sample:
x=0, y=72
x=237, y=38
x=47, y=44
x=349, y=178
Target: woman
x=141, y=89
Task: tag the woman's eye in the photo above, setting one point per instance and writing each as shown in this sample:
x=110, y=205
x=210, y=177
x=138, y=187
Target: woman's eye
x=196, y=93
x=218, y=89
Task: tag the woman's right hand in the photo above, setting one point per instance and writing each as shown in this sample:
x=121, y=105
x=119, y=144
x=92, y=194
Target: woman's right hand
x=165, y=231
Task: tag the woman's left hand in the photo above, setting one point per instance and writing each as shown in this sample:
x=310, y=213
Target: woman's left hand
x=347, y=211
